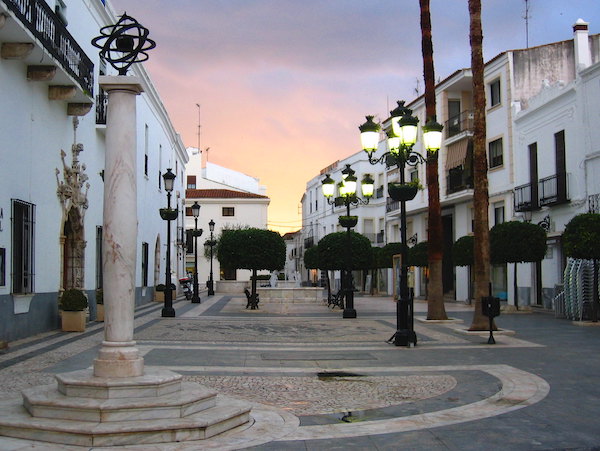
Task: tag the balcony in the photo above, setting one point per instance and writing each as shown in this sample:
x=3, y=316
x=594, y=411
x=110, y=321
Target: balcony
x=309, y=242
x=392, y=205
x=525, y=198
x=37, y=17
x=379, y=192
x=553, y=190
x=546, y=192
x=462, y=122
x=458, y=179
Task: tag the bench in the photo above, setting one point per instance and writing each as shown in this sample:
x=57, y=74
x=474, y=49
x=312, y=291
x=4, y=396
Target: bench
x=336, y=300
x=252, y=301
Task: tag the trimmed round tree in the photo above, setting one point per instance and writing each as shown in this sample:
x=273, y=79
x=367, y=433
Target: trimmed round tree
x=517, y=242
x=417, y=255
x=333, y=252
x=253, y=249
x=581, y=239
x=387, y=253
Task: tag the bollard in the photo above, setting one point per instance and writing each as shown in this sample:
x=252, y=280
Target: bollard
x=490, y=307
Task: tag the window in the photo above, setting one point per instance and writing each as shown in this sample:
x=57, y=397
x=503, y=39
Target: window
x=146, y=132
x=413, y=175
x=23, y=222
x=188, y=211
x=98, y=257
x=2, y=266
x=144, y=264
x=498, y=213
x=191, y=182
x=228, y=211
x=495, y=155
x=495, y=93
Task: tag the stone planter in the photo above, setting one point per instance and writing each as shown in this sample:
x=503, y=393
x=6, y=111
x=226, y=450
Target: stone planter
x=73, y=321
x=402, y=192
x=99, y=312
x=159, y=296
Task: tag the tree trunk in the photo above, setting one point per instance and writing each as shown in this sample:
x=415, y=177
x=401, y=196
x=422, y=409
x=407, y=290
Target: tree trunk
x=435, y=298
x=481, y=249
x=515, y=286
x=254, y=283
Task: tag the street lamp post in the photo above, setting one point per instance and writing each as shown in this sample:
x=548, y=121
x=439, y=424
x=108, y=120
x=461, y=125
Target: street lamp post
x=401, y=137
x=211, y=243
x=168, y=214
x=347, y=196
x=197, y=233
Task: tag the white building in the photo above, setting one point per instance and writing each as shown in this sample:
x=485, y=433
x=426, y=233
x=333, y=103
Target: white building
x=513, y=81
x=556, y=138
x=229, y=198
x=51, y=208
x=319, y=218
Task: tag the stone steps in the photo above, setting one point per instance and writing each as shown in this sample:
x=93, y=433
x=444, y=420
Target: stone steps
x=16, y=422
x=47, y=402
x=85, y=410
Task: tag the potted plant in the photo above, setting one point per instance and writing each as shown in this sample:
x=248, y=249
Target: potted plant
x=159, y=292
x=99, y=305
x=404, y=191
x=168, y=214
x=73, y=303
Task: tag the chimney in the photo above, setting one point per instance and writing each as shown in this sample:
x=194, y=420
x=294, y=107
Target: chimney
x=583, y=57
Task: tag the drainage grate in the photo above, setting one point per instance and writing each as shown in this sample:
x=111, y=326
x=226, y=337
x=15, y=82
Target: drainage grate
x=330, y=374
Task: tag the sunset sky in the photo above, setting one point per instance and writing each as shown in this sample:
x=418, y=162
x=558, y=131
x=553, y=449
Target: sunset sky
x=284, y=84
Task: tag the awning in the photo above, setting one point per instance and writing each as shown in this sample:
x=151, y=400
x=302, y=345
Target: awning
x=456, y=154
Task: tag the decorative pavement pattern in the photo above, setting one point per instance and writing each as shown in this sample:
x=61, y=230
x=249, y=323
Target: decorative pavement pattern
x=312, y=376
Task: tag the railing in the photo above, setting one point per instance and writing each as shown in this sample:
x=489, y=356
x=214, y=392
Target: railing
x=458, y=180
x=309, y=242
x=379, y=193
x=101, y=106
x=553, y=189
x=392, y=205
x=380, y=237
x=459, y=123
x=594, y=203
x=524, y=198
x=45, y=25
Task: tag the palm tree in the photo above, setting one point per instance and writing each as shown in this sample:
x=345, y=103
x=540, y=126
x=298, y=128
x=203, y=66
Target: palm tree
x=481, y=250
x=435, y=295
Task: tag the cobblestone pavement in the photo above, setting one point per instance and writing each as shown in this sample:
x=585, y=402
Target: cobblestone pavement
x=323, y=382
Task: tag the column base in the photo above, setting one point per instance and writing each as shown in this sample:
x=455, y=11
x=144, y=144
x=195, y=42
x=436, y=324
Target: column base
x=117, y=359
x=349, y=313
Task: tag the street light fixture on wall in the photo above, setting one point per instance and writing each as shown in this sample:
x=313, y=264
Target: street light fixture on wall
x=211, y=243
x=347, y=196
x=197, y=233
x=168, y=214
x=402, y=135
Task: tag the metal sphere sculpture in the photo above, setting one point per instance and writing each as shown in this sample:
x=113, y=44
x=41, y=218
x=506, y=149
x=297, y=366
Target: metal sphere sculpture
x=125, y=43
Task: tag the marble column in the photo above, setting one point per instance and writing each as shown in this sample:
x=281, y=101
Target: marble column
x=118, y=356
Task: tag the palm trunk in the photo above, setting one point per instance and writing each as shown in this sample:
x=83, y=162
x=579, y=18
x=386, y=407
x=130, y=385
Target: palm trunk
x=435, y=298
x=481, y=249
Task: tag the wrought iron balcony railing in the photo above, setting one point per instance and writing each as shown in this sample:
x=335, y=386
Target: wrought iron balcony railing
x=45, y=25
x=392, y=205
x=553, y=189
x=524, y=197
x=460, y=123
x=547, y=191
x=457, y=180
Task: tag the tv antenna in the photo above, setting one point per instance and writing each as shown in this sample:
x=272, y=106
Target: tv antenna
x=527, y=17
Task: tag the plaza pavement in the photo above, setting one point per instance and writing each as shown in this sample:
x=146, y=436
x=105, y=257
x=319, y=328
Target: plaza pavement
x=320, y=382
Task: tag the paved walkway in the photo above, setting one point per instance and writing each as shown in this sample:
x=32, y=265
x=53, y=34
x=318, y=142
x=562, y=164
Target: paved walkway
x=318, y=381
